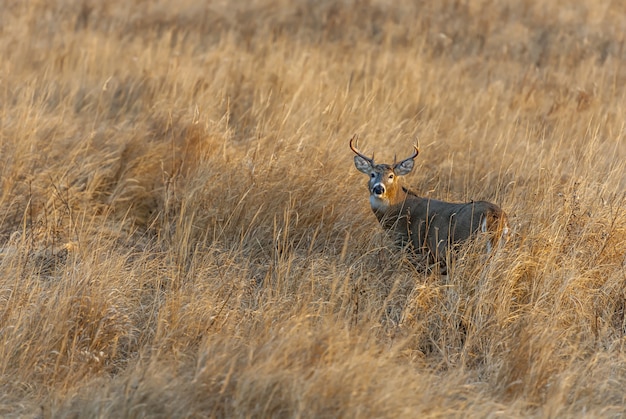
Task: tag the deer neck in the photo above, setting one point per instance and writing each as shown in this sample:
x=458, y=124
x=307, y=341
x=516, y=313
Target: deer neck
x=393, y=202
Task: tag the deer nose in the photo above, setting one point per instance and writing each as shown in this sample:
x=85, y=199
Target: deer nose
x=378, y=189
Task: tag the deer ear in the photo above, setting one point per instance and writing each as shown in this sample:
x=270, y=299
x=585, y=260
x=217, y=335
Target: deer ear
x=404, y=167
x=362, y=165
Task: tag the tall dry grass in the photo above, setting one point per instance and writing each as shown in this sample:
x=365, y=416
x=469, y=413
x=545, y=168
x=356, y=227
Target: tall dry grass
x=183, y=233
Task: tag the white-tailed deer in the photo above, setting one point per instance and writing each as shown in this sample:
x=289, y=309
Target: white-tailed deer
x=426, y=225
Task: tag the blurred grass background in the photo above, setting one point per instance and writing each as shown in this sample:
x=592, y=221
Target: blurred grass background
x=183, y=233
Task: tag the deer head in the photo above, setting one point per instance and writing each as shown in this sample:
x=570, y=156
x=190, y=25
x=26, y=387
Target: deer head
x=384, y=186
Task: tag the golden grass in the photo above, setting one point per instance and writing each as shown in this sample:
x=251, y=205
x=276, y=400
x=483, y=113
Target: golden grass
x=183, y=233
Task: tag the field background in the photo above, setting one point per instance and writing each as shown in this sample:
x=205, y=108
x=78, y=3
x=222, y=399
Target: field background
x=183, y=232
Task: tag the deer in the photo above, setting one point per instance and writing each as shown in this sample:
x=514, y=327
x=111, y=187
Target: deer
x=427, y=226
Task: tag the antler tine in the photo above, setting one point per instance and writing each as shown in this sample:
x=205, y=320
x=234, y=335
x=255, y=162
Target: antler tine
x=416, y=147
x=357, y=152
x=415, y=153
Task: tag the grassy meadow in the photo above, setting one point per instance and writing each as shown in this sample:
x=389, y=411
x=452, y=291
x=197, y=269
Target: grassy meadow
x=183, y=232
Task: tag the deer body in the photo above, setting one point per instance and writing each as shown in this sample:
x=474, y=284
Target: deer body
x=426, y=225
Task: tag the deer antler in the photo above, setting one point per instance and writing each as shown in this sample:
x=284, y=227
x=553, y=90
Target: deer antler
x=357, y=152
x=416, y=146
x=415, y=153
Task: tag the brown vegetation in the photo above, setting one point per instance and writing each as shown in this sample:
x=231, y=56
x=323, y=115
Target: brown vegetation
x=183, y=232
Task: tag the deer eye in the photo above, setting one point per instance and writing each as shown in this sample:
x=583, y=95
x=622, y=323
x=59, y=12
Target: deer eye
x=373, y=175
x=391, y=176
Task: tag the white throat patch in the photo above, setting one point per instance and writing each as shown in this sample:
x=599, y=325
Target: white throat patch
x=378, y=203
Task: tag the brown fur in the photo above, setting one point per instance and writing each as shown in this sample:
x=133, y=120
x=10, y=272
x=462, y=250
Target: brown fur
x=434, y=226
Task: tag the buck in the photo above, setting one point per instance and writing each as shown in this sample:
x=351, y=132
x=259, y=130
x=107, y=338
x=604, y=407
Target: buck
x=425, y=225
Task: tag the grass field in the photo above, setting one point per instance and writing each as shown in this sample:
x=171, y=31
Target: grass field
x=183, y=232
